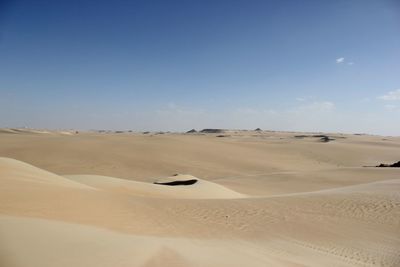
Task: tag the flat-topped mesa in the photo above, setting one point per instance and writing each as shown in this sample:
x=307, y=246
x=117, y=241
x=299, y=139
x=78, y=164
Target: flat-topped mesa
x=212, y=131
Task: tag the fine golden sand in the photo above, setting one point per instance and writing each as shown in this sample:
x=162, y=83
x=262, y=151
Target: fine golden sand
x=246, y=198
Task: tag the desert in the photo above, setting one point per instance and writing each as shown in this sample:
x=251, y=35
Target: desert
x=252, y=198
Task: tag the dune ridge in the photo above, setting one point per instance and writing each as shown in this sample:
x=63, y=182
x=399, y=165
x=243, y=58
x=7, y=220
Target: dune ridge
x=202, y=188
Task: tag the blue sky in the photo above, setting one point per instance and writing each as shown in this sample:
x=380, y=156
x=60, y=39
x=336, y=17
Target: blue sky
x=177, y=65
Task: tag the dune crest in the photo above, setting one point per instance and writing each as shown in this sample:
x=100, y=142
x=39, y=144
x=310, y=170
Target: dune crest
x=200, y=190
x=20, y=172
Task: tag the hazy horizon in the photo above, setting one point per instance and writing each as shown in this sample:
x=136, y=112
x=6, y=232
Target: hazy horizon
x=177, y=65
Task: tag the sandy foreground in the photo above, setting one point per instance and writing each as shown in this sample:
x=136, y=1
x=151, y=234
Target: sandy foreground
x=257, y=199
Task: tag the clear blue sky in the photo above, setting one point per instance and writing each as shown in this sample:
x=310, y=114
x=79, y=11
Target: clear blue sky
x=176, y=65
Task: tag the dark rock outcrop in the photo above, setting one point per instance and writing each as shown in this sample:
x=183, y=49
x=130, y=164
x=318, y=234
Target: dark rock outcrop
x=301, y=136
x=326, y=139
x=394, y=165
x=192, y=131
x=322, y=138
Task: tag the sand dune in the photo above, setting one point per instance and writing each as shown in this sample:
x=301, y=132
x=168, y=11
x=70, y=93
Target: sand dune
x=33, y=131
x=50, y=243
x=17, y=172
x=276, y=207
x=201, y=188
x=23, y=131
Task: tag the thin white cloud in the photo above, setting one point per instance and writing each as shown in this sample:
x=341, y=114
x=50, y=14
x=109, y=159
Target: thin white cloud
x=251, y=111
x=392, y=95
x=316, y=107
x=172, y=106
x=270, y=112
x=390, y=107
x=247, y=111
x=326, y=105
x=350, y=63
x=305, y=98
x=340, y=60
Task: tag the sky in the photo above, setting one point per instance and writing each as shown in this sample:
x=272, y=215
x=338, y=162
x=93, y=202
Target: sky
x=289, y=65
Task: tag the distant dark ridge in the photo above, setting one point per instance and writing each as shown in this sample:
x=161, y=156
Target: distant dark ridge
x=212, y=131
x=301, y=136
x=394, y=165
x=258, y=130
x=322, y=138
x=175, y=183
x=192, y=131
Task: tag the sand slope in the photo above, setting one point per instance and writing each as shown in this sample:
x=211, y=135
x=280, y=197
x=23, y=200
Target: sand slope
x=321, y=216
x=201, y=189
x=21, y=173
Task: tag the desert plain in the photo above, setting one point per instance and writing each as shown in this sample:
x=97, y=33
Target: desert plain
x=233, y=198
